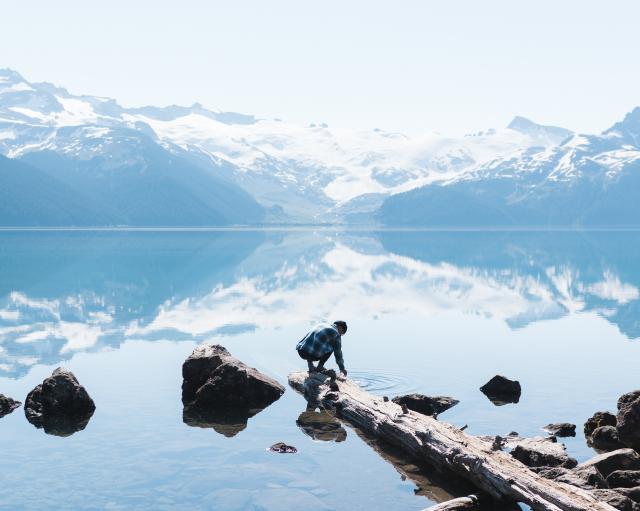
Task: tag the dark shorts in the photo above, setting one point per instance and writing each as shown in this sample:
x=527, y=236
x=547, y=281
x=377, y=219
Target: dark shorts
x=306, y=356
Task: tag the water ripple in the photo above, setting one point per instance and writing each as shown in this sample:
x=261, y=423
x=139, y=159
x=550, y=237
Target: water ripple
x=385, y=382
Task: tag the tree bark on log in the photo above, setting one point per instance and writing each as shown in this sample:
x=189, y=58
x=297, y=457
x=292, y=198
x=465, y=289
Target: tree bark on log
x=469, y=503
x=445, y=446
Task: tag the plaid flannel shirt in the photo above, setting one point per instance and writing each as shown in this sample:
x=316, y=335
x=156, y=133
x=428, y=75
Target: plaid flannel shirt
x=322, y=340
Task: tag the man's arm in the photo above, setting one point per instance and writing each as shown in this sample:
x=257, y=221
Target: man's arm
x=337, y=352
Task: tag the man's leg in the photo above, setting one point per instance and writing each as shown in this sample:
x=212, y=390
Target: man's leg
x=322, y=360
x=310, y=365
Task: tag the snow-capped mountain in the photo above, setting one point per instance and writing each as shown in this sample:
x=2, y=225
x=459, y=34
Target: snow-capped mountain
x=587, y=180
x=300, y=173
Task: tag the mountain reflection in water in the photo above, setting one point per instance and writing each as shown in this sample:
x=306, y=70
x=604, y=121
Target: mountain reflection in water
x=66, y=292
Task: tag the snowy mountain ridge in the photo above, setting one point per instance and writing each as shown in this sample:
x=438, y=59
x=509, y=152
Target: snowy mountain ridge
x=586, y=180
x=310, y=173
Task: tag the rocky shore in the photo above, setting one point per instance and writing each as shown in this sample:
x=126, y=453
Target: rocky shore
x=221, y=392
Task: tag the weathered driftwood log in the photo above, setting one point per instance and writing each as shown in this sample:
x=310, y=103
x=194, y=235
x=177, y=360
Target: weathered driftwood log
x=435, y=485
x=469, y=503
x=445, y=446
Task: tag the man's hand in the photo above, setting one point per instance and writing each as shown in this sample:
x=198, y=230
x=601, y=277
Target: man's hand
x=343, y=373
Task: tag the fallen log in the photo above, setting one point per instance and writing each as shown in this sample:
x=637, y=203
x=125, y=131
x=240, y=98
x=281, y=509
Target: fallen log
x=445, y=446
x=432, y=484
x=469, y=503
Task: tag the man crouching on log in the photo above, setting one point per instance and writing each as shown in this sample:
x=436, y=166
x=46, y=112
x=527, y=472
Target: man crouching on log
x=320, y=343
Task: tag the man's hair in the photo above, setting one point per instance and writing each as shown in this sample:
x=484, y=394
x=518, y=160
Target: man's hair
x=342, y=325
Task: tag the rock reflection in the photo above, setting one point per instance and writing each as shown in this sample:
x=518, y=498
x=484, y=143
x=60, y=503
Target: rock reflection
x=226, y=423
x=63, y=426
x=321, y=425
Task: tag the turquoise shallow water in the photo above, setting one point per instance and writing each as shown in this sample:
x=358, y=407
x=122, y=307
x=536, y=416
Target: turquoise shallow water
x=438, y=313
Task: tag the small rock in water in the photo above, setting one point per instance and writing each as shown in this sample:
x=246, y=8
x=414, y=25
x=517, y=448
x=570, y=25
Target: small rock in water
x=7, y=405
x=628, y=420
x=60, y=405
x=561, y=429
x=426, y=405
x=501, y=390
x=597, y=420
x=283, y=448
x=605, y=439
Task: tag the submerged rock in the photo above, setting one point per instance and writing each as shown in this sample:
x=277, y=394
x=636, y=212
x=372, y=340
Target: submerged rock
x=60, y=405
x=561, y=429
x=540, y=452
x=622, y=459
x=221, y=392
x=628, y=419
x=321, y=425
x=426, y=405
x=283, y=448
x=501, y=390
x=7, y=405
x=598, y=420
x=605, y=439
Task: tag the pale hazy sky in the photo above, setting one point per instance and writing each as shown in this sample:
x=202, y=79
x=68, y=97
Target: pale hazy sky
x=451, y=66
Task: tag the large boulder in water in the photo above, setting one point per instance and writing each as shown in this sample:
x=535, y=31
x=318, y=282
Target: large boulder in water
x=60, y=405
x=628, y=419
x=7, y=405
x=501, y=390
x=426, y=405
x=221, y=391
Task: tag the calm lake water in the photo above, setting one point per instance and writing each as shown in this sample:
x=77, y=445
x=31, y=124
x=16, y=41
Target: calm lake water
x=437, y=313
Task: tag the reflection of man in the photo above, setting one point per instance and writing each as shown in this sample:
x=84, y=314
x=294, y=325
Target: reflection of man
x=320, y=343
x=321, y=425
